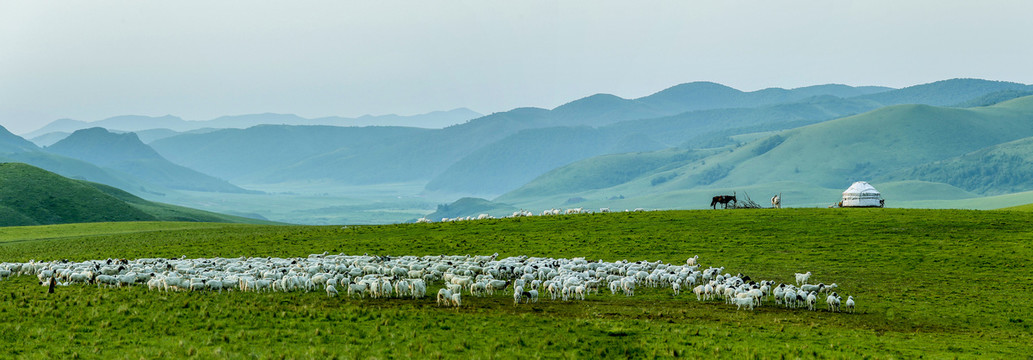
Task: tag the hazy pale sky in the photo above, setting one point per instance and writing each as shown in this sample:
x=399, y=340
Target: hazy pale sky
x=90, y=60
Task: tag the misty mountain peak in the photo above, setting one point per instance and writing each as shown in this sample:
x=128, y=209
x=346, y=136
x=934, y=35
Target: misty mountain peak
x=100, y=146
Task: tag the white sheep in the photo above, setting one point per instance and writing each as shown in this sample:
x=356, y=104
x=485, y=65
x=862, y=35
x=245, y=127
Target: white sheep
x=699, y=291
x=812, y=288
x=215, y=285
x=802, y=278
x=518, y=292
x=850, y=304
x=628, y=285
x=357, y=288
x=106, y=280
x=419, y=288
x=743, y=301
x=331, y=291
x=833, y=302
x=444, y=296
x=789, y=296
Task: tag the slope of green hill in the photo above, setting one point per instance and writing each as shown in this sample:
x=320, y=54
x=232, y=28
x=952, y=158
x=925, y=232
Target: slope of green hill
x=33, y=196
x=81, y=170
x=126, y=153
x=878, y=142
x=820, y=159
x=999, y=169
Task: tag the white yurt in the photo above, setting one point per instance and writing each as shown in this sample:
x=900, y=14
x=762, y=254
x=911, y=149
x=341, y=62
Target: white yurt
x=862, y=194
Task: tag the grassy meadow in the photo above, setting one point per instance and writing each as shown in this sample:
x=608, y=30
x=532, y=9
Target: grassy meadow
x=928, y=283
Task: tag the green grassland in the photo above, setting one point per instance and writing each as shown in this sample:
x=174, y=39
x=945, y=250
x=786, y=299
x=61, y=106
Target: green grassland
x=928, y=283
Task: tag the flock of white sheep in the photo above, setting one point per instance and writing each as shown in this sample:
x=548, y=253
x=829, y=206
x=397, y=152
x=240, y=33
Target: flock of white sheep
x=526, y=213
x=411, y=276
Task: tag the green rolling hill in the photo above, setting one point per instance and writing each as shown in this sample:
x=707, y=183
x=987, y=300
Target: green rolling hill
x=33, y=196
x=996, y=170
x=812, y=164
x=878, y=142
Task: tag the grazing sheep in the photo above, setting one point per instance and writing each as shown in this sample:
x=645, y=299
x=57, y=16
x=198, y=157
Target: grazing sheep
x=457, y=300
x=699, y=291
x=802, y=278
x=628, y=285
x=833, y=302
x=357, y=288
x=106, y=280
x=812, y=288
x=518, y=293
x=692, y=260
x=444, y=296
x=407, y=276
x=745, y=301
x=214, y=285
x=850, y=304
x=789, y=297
x=579, y=292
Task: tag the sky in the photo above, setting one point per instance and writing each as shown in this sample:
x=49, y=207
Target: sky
x=90, y=60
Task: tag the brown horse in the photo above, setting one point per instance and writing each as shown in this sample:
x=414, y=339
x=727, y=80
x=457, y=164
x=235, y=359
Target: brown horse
x=723, y=200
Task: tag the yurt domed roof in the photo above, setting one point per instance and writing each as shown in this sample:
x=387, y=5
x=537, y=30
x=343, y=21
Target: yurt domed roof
x=861, y=187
